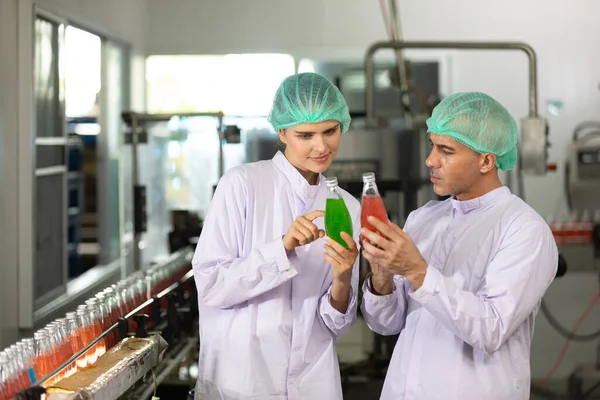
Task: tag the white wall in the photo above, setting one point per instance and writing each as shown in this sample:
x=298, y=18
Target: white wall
x=566, y=38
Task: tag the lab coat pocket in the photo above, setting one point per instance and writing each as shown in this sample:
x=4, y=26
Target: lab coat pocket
x=519, y=363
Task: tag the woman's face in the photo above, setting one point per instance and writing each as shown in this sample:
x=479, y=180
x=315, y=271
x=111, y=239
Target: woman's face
x=312, y=147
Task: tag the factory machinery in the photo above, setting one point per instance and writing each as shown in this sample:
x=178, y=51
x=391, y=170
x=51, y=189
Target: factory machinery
x=578, y=239
x=121, y=343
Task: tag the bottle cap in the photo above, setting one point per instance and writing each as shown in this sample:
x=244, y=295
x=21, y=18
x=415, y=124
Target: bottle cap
x=331, y=181
x=368, y=177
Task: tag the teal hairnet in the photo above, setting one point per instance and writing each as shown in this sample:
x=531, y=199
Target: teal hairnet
x=308, y=98
x=479, y=122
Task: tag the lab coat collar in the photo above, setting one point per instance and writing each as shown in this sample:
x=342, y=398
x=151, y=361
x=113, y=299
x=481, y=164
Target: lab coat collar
x=491, y=197
x=299, y=184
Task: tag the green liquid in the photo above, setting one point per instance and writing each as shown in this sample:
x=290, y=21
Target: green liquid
x=337, y=220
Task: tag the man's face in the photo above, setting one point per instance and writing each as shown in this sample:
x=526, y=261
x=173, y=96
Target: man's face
x=454, y=168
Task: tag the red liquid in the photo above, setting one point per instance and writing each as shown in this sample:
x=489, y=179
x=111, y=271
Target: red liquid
x=76, y=346
x=41, y=365
x=87, y=335
x=54, y=358
x=24, y=381
x=372, y=206
x=100, y=346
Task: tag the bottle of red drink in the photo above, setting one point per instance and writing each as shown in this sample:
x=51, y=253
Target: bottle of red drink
x=372, y=204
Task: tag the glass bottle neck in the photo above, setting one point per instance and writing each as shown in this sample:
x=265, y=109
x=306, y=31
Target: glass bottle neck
x=333, y=192
x=370, y=189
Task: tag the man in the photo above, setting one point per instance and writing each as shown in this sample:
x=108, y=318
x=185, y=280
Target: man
x=462, y=282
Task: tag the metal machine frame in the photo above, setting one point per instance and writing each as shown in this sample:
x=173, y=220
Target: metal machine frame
x=137, y=135
x=534, y=144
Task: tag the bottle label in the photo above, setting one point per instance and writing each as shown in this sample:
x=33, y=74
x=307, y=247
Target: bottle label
x=32, y=375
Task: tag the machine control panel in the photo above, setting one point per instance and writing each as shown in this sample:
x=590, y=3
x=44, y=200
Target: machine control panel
x=583, y=179
x=588, y=160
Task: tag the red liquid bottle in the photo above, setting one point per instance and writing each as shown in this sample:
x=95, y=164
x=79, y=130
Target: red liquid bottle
x=372, y=204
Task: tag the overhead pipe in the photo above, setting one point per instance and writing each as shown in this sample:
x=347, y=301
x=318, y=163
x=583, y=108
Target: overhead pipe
x=399, y=45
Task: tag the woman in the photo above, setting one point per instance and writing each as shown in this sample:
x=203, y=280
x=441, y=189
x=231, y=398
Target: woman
x=273, y=292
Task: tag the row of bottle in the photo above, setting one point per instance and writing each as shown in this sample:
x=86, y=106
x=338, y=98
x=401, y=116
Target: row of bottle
x=28, y=361
x=337, y=217
x=575, y=229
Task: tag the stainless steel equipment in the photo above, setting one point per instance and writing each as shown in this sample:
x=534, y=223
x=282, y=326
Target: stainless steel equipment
x=582, y=187
x=583, y=172
x=423, y=84
x=137, y=135
x=534, y=141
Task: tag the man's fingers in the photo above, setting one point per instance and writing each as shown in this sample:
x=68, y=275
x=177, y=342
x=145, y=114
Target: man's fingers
x=372, y=237
x=314, y=215
x=373, y=251
x=385, y=228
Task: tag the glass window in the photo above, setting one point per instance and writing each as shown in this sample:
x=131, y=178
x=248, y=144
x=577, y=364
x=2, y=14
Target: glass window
x=237, y=84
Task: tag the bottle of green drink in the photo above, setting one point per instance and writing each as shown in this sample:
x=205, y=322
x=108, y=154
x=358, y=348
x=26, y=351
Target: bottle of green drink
x=337, y=217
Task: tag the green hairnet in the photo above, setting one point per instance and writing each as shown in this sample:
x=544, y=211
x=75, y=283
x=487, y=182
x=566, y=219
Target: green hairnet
x=479, y=122
x=308, y=98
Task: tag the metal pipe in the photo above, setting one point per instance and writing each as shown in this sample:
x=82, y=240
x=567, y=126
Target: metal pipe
x=137, y=236
x=370, y=90
x=166, y=117
x=401, y=66
x=583, y=126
